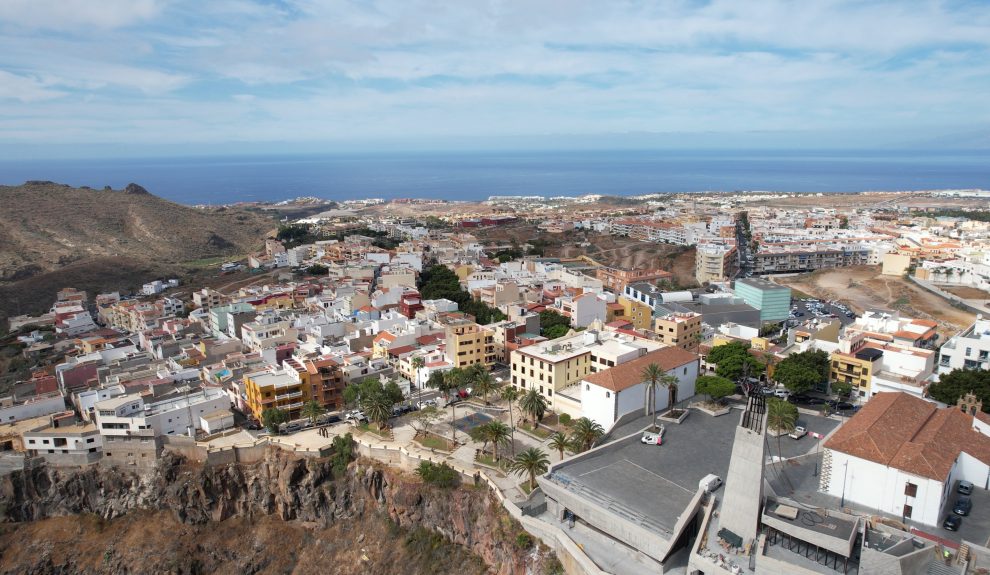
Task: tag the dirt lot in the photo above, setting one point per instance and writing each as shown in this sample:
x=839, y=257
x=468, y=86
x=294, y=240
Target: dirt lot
x=966, y=292
x=864, y=288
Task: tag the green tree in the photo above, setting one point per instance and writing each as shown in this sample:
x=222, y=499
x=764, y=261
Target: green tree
x=738, y=367
x=417, y=364
x=549, y=319
x=317, y=270
x=559, y=442
x=498, y=434
x=378, y=408
x=584, y=433
x=715, y=387
x=272, y=418
x=959, y=382
x=312, y=409
x=841, y=388
x=722, y=352
x=342, y=454
x=651, y=374
x=510, y=394
x=482, y=381
x=531, y=462
x=534, y=404
x=555, y=331
x=801, y=372
x=781, y=417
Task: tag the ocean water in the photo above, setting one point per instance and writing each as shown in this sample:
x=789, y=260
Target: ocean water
x=477, y=175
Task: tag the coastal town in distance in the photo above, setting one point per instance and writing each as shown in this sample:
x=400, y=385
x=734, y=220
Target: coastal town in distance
x=697, y=383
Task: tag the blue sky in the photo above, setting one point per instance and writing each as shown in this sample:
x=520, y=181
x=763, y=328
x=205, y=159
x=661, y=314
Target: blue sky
x=78, y=75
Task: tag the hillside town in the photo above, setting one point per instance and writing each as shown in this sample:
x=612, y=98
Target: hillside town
x=635, y=422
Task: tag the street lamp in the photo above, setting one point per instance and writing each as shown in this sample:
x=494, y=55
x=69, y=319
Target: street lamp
x=842, y=502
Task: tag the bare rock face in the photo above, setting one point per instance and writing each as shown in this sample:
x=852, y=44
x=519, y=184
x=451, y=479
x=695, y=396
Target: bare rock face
x=281, y=488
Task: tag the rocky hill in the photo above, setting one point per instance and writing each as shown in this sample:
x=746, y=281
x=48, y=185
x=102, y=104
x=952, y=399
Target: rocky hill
x=47, y=227
x=281, y=515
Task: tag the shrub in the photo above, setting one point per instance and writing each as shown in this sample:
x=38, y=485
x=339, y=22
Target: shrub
x=524, y=540
x=565, y=419
x=441, y=475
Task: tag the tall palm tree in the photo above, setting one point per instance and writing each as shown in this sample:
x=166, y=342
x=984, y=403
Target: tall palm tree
x=651, y=374
x=670, y=382
x=534, y=404
x=417, y=364
x=312, y=409
x=781, y=417
x=482, y=381
x=452, y=382
x=499, y=434
x=585, y=432
x=559, y=442
x=510, y=394
x=531, y=462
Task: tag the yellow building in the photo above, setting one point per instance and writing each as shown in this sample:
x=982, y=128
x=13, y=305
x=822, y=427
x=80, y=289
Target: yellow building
x=855, y=369
x=680, y=329
x=467, y=343
x=266, y=389
x=637, y=312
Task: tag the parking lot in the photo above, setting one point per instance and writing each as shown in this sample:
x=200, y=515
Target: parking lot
x=803, y=310
x=975, y=526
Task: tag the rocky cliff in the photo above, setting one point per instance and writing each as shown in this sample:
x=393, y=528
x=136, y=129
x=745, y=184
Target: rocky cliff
x=281, y=515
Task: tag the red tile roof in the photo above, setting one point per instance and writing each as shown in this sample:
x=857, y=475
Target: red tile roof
x=908, y=433
x=628, y=374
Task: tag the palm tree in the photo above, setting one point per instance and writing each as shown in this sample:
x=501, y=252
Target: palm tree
x=532, y=462
x=378, y=408
x=534, y=404
x=585, y=433
x=417, y=364
x=312, y=409
x=781, y=417
x=510, y=393
x=559, y=442
x=482, y=381
x=499, y=434
x=651, y=374
x=670, y=382
x=451, y=382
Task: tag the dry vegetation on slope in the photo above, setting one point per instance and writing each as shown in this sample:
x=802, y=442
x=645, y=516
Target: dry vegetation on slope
x=90, y=235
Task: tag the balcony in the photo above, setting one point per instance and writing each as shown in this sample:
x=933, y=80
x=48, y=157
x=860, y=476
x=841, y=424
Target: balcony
x=285, y=396
x=291, y=406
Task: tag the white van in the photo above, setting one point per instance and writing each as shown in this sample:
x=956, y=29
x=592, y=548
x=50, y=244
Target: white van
x=710, y=482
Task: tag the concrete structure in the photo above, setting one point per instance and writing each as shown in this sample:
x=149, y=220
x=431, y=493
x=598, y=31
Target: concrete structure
x=268, y=331
x=65, y=443
x=616, y=279
x=274, y=389
x=176, y=414
x=773, y=300
x=715, y=263
x=468, y=343
x=13, y=408
x=743, y=493
x=636, y=312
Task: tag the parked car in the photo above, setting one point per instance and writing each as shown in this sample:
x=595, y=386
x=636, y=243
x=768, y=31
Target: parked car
x=252, y=425
x=427, y=403
x=654, y=437
x=799, y=432
x=710, y=482
x=356, y=416
x=840, y=405
x=291, y=427
x=328, y=418
x=781, y=393
x=964, y=488
x=952, y=523
x=963, y=506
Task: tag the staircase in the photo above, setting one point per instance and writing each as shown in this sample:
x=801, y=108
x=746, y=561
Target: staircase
x=962, y=556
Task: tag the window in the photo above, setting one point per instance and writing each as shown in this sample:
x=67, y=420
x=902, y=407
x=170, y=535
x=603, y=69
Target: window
x=608, y=394
x=911, y=490
x=587, y=387
x=685, y=371
x=907, y=511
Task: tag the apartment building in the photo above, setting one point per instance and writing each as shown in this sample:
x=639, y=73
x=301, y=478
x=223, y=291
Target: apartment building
x=782, y=259
x=321, y=378
x=872, y=367
x=65, y=442
x=268, y=331
x=582, y=309
x=467, y=343
x=682, y=330
x=282, y=389
x=715, y=263
x=636, y=312
x=552, y=365
x=969, y=349
x=616, y=279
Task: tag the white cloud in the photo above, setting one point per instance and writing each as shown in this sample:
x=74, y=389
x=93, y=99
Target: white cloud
x=25, y=89
x=76, y=15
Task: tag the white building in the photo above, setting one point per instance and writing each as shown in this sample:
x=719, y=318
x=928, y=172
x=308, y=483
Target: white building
x=13, y=408
x=152, y=288
x=267, y=332
x=176, y=415
x=967, y=350
x=902, y=455
x=609, y=394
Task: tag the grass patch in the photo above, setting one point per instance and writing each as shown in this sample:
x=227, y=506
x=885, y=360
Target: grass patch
x=431, y=441
x=540, y=432
x=524, y=487
x=368, y=428
x=489, y=460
